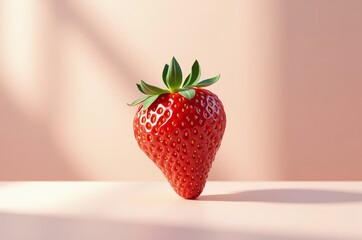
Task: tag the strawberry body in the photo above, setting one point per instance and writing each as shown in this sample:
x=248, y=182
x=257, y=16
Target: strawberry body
x=180, y=128
x=181, y=136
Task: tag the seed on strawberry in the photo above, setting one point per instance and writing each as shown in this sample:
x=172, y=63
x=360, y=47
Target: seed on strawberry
x=180, y=129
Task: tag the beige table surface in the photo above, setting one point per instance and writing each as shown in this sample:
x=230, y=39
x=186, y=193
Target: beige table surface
x=151, y=210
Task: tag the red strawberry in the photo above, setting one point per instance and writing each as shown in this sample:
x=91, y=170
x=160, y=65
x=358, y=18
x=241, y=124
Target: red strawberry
x=181, y=129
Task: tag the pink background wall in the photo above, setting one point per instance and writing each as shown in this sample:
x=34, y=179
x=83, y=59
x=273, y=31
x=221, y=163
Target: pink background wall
x=291, y=85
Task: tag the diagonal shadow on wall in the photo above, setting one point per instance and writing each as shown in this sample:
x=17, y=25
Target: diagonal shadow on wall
x=320, y=98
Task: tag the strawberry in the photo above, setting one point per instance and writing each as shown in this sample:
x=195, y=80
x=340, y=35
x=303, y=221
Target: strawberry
x=180, y=129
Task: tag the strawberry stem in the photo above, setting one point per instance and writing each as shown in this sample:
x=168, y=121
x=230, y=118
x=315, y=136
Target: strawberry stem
x=172, y=78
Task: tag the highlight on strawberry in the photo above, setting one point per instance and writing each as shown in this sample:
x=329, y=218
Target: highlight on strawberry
x=180, y=127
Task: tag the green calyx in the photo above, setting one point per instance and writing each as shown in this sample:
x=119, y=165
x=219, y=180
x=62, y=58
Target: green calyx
x=172, y=78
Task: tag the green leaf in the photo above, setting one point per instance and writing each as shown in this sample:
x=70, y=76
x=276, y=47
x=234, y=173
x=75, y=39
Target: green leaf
x=134, y=103
x=208, y=82
x=164, y=74
x=149, y=100
x=151, y=90
x=140, y=88
x=187, y=93
x=194, y=75
x=187, y=80
x=174, y=76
